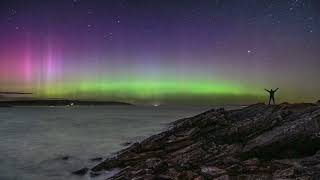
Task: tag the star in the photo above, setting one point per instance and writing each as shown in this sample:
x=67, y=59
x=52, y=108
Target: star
x=116, y=19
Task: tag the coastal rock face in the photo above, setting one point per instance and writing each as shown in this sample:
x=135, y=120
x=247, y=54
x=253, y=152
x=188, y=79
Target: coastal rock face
x=257, y=142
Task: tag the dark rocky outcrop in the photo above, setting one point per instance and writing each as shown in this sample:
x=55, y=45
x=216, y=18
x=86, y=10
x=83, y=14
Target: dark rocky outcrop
x=256, y=142
x=65, y=158
x=96, y=159
x=82, y=171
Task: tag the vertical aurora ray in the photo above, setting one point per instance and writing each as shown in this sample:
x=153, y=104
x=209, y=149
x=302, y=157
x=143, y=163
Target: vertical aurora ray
x=52, y=68
x=49, y=65
x=27, y=62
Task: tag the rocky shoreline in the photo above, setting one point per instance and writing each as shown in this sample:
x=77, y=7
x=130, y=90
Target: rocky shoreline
x=256, y=142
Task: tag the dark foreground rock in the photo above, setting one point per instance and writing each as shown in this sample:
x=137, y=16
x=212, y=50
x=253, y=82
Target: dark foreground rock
x=96, y=159
x=65, y=158
x=257, y=142
x=82, y=171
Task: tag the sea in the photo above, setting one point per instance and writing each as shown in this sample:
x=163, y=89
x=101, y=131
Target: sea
x=48, y=143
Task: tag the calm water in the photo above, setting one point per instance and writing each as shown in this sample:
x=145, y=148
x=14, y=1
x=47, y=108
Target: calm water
x=33, y=139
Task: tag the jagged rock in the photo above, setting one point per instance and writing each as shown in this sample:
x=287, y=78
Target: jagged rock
x=65, y=158
x=186, y=175
x=96, y=159
x=256, y=142
x=251, y=164
x=213, y=171
x=199, y=178
x=145, y=177
x=224, y=177
x=286, y=173
x=138, y=172
x=156, y=164
x=108, y=164
x=95, y=174
x=81, y=172
x=126, y=143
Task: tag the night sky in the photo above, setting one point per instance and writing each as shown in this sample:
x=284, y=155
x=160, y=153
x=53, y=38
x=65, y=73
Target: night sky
x=161, y=51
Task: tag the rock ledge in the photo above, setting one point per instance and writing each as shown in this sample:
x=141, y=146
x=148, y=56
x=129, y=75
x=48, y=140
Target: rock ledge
x=256, y=142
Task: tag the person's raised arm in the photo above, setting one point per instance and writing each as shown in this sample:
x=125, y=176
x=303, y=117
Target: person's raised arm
x=267, y=90
x=276, y=90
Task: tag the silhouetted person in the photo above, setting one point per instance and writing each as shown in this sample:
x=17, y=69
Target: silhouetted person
x=271, y=92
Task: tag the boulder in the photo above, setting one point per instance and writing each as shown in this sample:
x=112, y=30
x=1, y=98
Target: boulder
x=81, y=172
x=65, y=158
x=96, y=159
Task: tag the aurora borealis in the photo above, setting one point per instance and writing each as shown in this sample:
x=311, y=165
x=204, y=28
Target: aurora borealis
x=158, y=51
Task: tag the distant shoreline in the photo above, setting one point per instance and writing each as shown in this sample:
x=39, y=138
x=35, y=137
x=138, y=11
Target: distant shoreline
x=60, y=103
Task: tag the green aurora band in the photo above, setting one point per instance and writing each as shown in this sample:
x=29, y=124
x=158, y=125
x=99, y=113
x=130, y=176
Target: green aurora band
x=144, y=90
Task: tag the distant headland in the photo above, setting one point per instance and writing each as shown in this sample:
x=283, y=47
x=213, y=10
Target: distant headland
x=60, y=103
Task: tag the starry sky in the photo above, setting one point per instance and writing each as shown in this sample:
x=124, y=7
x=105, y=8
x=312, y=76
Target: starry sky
x=161, y=51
